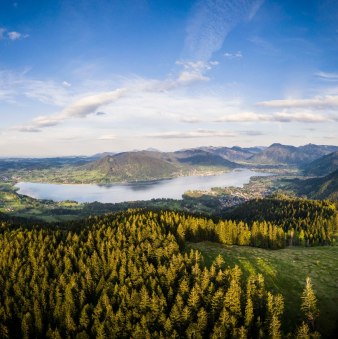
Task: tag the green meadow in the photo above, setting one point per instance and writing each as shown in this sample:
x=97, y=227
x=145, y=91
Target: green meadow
x=285, y=272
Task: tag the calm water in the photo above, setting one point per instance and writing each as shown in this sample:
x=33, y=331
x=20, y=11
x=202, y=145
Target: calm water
x=171, y=188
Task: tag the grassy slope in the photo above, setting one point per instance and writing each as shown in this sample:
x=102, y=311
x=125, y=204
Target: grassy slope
x=285, y=272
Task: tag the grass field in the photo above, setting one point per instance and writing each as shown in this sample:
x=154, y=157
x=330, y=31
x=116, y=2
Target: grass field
x=285, y=272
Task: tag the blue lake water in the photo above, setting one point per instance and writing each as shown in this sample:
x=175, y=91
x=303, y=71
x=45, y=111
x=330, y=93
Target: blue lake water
x=170, y=188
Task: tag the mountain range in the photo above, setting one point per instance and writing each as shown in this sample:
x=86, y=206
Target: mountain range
x=226, y=157
x=291, y=155
x=313, y=160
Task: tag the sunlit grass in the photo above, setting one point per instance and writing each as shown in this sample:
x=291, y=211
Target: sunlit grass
x=285, y=272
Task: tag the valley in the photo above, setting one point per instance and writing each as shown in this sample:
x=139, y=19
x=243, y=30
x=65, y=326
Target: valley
x=266, y=235
x=288, y=169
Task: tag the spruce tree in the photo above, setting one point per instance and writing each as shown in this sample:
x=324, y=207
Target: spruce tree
x=309, y=304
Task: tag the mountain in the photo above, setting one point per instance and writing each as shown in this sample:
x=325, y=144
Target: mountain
x=323, y=166
x=149, y=165
x=252, y=150
x=141, y=165
x=276, y=154
x=198, y=157
x=233, y=154
x=291, y=155
x=318, y=188
x=317, y=151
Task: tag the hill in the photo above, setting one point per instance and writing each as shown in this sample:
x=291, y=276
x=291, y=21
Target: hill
x=323, y=166
x=318, y=188
x=134, y=166
x=151, y=165
x=291, y=155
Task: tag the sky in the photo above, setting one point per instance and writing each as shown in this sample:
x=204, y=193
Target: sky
x=80, y=77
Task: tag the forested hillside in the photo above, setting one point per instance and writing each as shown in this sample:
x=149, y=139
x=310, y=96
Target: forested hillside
x=317, y=188
x=305, y=222
x=323, y=166
x=125, y=275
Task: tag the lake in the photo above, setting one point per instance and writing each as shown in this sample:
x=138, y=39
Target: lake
x=168, y=188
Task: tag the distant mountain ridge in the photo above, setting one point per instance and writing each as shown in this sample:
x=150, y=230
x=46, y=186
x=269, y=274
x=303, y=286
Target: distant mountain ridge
x=291, y=155
x=203, y=157
x=152, y=164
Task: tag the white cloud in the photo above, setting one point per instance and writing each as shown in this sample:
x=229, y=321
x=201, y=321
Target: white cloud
x=187, y=77
x=89, y=104
x=14, y=35
x=66, y=84
x=235, y=55
x=194, y=71
x=78, y=109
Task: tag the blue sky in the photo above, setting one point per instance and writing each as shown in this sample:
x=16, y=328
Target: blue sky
x=82, y=77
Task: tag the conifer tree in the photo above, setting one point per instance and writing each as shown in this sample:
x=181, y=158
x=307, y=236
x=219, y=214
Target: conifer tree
x=309, y=304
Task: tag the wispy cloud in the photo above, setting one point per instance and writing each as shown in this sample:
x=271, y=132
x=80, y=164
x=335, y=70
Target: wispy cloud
x=301, y=117
x=15, y=85
x=191, y=134
x=304, y=117
x=86, y=104
x=327, y=76
x=264, y=45
x=314, y=103
x=11, y=35
x=29, y=129
x=2, y=32
x=252, y=133
x=107, y=137
x=211, y=22
x=243, y=117
x=66, y=84
x=235, y=55
x=194, y=71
